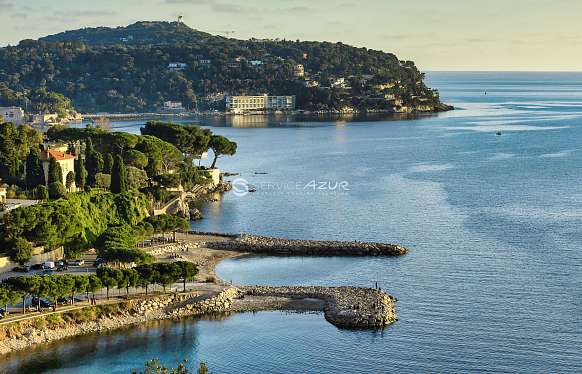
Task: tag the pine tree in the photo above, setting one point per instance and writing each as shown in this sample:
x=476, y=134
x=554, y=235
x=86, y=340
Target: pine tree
x=34, y=171
x=118, y=176
x=55, y=173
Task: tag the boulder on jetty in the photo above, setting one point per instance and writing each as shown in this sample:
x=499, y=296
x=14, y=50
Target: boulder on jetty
x=291, y=247
x=347, y=307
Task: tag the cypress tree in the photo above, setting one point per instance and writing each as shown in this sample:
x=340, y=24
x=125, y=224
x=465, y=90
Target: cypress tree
x=108, y=163
x=80, y=173
x=34, y=171
x=118, y=176
x=89, y=150
x=93, y=162
x=55, y=173
x=69, y=180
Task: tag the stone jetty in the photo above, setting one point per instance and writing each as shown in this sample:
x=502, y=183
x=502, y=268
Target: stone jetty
x=347, y=307
x=290, y=247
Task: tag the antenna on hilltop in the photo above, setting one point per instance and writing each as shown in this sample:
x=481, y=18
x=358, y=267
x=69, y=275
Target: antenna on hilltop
x=180, y=20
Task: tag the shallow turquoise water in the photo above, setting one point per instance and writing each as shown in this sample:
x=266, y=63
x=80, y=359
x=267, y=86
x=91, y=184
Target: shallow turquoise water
x=493, y=281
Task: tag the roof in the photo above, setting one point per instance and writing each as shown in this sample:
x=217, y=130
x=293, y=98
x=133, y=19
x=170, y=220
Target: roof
x=59, y=156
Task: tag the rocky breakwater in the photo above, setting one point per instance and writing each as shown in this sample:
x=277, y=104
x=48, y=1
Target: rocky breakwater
x=347, y=307
x=290, y=247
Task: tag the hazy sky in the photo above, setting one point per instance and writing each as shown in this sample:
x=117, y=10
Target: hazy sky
x=436, y=34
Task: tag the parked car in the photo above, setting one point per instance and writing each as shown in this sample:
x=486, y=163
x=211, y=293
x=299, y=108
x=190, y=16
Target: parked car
x=98, y=261
x=43, y=303
x=36, y=267
x=77, y=262
x=67, y=300
x=48, y=265
x=62, y=268
x=22, y=269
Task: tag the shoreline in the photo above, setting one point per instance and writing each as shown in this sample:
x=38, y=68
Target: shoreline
x=344, y=307
x=405, y=115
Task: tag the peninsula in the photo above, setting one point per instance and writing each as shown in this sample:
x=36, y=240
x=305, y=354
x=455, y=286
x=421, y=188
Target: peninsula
x=170, y=67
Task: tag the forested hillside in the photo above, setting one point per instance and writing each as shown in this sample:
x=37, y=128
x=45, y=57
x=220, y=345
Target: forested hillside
x=127, y=69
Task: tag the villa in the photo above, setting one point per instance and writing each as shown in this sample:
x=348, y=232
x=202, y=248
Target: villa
x=65, y=160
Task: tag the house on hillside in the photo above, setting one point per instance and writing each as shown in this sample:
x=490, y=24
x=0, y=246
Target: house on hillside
x=46, y=119
x=299, y=71
x=177, y=66
x=65, y=160
x=2, y=194
x=173, y=105
x=12, y=114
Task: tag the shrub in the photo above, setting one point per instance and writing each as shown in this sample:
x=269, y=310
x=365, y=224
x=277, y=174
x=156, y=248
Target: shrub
x=57, y=190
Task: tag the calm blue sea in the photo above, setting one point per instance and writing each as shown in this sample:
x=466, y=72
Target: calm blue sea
x=493, y=282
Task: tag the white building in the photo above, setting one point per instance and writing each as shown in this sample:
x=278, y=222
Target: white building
x=311, y=83
x=2, y=195
x=177, y=66
x=46, y=119
x=173, y=105
x=246, y=104
x=255, y=63
x=299, y=71
x=338, y=83
x=12, y=114
x=66, y=162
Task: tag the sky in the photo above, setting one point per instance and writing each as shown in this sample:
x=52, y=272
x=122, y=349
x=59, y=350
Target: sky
x=486, y=35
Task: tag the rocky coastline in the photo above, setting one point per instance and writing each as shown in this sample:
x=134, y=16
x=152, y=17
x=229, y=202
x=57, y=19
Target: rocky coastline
x=22, y=335
x=290, y=247
x=345, y=307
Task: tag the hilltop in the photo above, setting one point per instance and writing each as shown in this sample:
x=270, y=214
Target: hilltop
x=137, y=33
x=139, y=67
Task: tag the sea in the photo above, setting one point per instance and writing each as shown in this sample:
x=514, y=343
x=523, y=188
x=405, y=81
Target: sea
x=488, y=198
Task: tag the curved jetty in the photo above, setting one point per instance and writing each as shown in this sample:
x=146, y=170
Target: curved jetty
x=291, y=247
x=348, y=307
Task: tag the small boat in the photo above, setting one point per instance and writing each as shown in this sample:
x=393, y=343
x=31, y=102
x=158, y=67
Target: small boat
x=498, y=133
x=252, y=189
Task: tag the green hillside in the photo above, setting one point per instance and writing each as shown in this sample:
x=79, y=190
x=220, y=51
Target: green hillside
x=126, y=69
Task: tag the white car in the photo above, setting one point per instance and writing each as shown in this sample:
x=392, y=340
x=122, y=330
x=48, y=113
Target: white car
x=77, y=262
x=48, y=265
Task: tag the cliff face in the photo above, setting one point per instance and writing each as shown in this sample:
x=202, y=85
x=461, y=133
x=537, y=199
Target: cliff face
x=139, y=67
